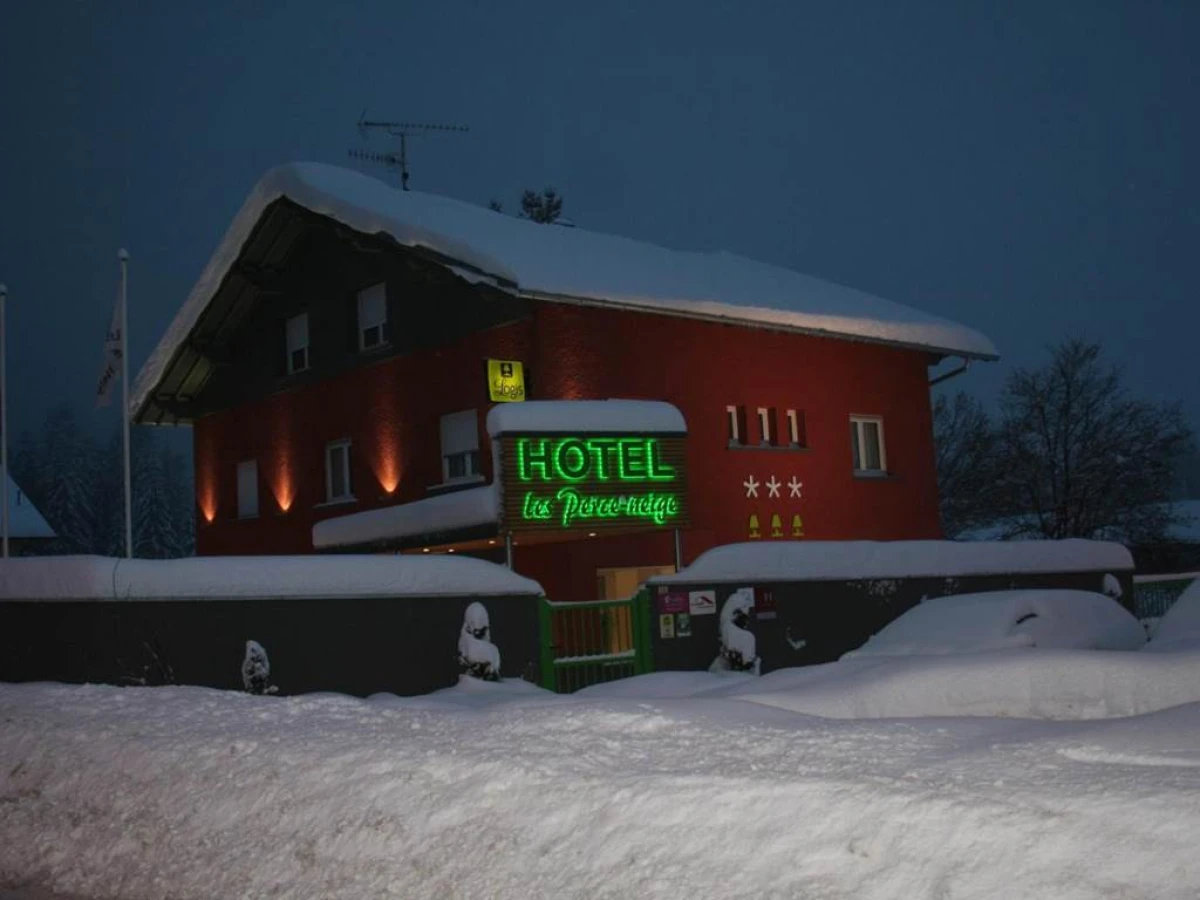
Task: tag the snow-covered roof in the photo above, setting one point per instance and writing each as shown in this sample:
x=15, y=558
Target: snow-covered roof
x=760, y=561
x=441, y=513
x=585, y=416
x=24, y=520
x=568, y=265
x=240, y=577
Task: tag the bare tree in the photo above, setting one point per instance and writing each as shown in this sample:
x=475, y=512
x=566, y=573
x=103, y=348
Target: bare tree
x=966, y=454
x=1081, y=458
x=545, y=207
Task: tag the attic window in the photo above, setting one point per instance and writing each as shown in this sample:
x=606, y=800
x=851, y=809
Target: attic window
x=372, y=316
x=297, y=343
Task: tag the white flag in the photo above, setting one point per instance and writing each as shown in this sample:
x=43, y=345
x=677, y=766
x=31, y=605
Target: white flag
x=114, y=347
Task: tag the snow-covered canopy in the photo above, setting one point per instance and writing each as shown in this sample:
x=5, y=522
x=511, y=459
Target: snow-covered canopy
x=567, y=265
x=24, y=520
x=240, y=577
x=765, y=561
x=584, y=416
x=444, y=513
x=1003, y=620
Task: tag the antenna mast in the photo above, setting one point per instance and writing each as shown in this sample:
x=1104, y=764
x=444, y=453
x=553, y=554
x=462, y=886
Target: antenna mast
x=402, y=130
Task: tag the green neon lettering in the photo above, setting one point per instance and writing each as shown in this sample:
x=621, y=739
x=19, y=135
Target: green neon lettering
x=571, y=459
x=533, y=456
x=658, y=470
x=601, y=448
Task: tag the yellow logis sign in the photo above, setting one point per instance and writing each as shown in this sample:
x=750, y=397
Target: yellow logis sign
x=506, y=380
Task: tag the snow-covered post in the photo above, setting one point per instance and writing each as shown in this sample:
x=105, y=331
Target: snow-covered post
x=256, y=670
x=4, y=419
x=123, y=256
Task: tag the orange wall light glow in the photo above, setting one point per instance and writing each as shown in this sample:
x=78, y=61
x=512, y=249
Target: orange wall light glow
x=387, y=467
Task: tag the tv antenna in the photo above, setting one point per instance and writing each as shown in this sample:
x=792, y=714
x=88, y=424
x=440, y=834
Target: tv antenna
x=402, y=130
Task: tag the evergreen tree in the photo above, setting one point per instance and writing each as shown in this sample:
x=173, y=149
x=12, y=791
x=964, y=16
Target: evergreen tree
x=545, y=207
x=68, y=468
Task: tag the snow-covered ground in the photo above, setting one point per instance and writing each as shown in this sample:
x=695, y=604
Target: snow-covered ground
x=689, y=785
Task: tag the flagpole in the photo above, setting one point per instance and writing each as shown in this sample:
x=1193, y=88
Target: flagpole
x=123, y=256
x=4, y=416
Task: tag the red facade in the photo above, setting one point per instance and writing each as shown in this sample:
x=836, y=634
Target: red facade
x=390, y=410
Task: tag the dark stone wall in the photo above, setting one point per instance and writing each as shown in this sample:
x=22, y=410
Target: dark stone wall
x=802, y=623
x=354, y=646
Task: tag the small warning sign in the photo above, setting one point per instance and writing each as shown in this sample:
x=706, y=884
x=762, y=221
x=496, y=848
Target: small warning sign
x=666, y=626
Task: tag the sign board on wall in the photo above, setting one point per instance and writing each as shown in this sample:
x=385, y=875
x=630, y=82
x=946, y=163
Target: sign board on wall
x=593, y=482
x=506, y=380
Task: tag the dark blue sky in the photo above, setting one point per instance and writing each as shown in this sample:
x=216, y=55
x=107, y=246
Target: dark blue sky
x=1026, y=168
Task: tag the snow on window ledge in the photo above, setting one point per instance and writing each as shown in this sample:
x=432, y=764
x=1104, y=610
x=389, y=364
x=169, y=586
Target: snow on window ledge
x=455, y=484
x=337, y=501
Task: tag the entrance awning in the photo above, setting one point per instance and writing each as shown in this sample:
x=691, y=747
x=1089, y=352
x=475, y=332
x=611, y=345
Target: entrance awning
x=470, y=513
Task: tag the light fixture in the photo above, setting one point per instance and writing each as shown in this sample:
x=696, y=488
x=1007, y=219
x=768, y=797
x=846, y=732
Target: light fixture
x=591, y=534
x=451, y=550
x=425, y=550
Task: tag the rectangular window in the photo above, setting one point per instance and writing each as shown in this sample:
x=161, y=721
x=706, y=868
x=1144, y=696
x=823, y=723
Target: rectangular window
x=737, y=424
x=337, y=472
x=797, y=432
x=372, y=316
x=866, y=441
x=767, y=432
x=460, y=445
x=247, y=489
x=297, y=343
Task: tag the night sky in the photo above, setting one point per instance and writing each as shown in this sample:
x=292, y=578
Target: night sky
x=1029, y=169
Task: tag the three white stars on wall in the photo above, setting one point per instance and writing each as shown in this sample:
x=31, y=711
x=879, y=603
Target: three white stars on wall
x=795, y=487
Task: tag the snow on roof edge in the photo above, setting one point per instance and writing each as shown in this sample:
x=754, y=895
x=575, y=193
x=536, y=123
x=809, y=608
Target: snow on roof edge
x=256, y=577
x=586, y=416
x=300, y=183
x=759, y=562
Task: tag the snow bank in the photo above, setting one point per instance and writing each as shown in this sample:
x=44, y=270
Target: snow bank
x=1179, y=629
x=1049, y=684
x=195, y=794
x=569, y=265
x=340, y=577
x=445, y=512
x=766, y=561
x=997, y=620
x=585, y=416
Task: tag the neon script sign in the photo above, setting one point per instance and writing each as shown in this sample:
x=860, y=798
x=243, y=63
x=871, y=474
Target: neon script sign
x=594, y=482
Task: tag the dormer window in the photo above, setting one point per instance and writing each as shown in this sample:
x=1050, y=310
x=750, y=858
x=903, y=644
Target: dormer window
x=297, y=343
x=372, y=316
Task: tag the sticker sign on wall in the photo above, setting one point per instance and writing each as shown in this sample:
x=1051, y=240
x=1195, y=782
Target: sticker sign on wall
x=702, y=603
x=673, y=602
x=666, y=626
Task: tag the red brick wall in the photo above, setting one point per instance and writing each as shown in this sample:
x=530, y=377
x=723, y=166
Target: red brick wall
x=391, y=410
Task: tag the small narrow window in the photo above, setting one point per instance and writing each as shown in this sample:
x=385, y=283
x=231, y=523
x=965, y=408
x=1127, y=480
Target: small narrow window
x=247, y=489
x=866, y=442
x=460, y=446
x=372, y=316
x=297, y=343
x=767, y=432
x=337, y=472
x=796, y=431
x=737, y=425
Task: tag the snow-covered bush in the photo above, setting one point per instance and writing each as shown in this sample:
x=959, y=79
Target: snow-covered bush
x=738, y=647
x=477, y=655
x=256, y=670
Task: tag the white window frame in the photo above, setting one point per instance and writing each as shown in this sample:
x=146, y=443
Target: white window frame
x=247, y=489
x=372, y=322
x=735, y=432
x=294, y=345
x=793, y=420
x=766, y=437
x=856, y=423
x=344, y=444
x=459, y=436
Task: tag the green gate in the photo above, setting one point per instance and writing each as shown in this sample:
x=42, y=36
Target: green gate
x=595, y=641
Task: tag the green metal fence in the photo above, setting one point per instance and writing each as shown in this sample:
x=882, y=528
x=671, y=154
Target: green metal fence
x=592, y=642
